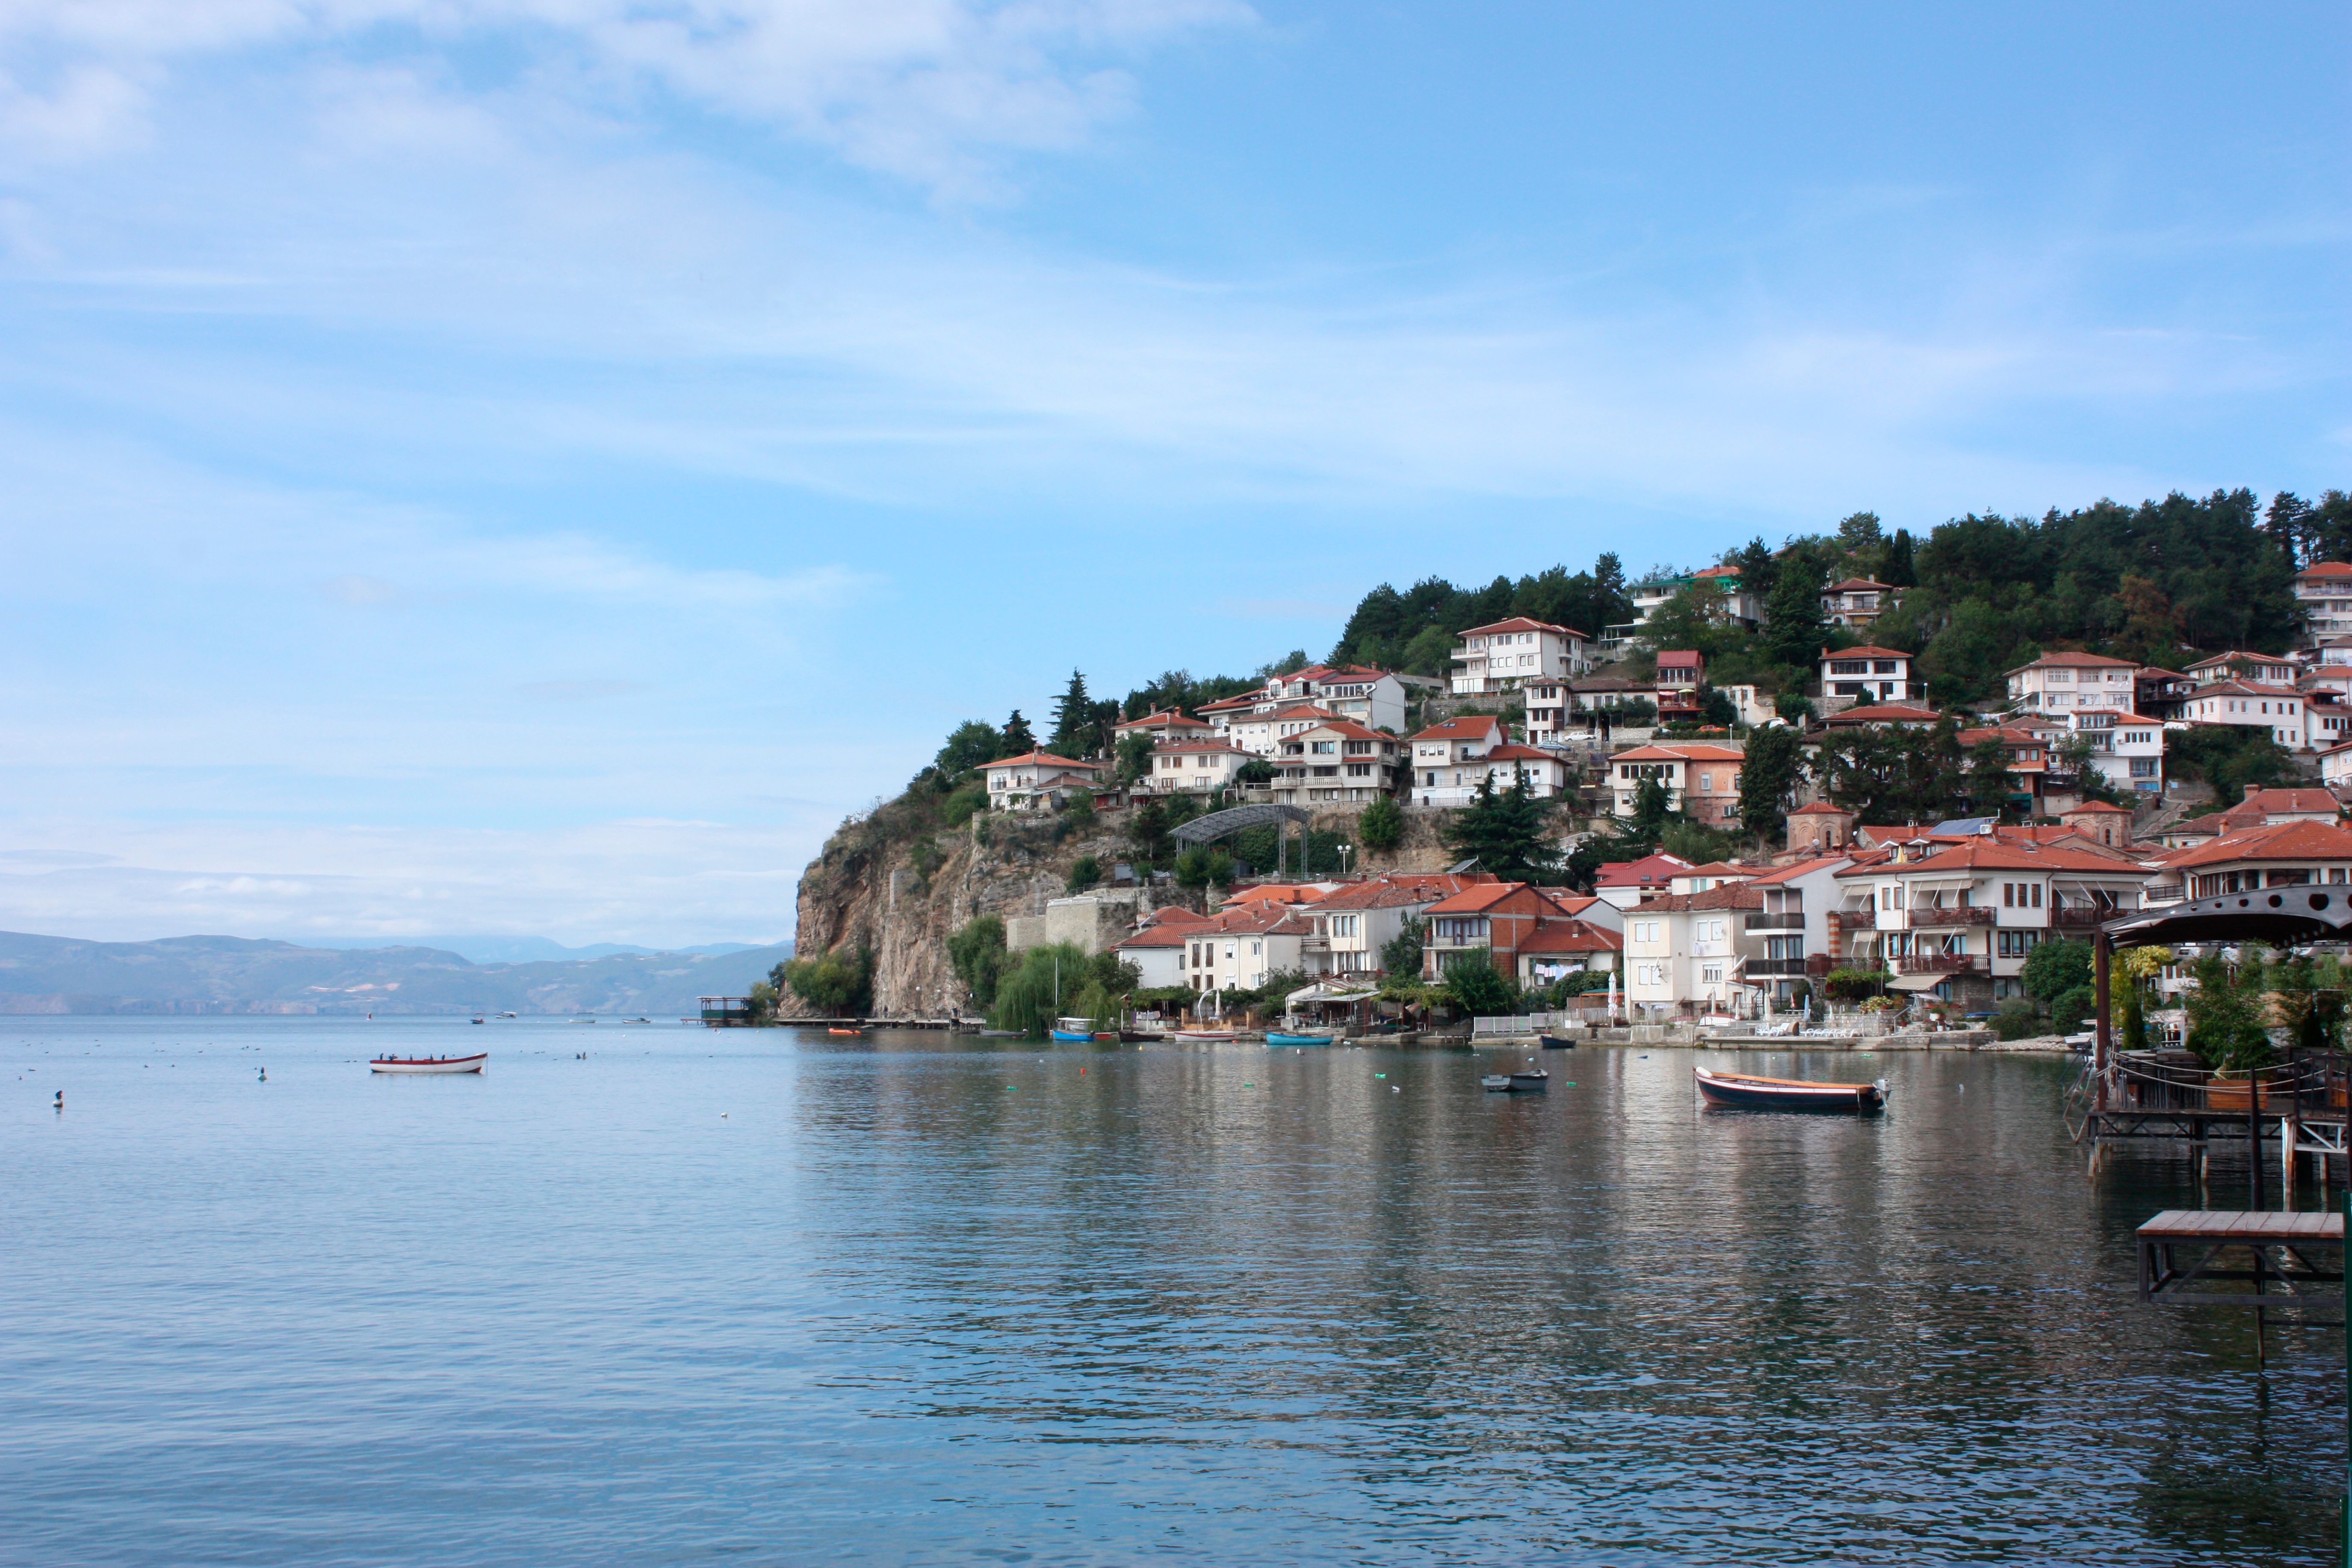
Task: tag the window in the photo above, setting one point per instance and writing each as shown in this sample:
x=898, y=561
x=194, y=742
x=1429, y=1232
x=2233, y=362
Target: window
x=1711, y=975
x=2017, y=943
x=1257, y=949
x=2035, y=889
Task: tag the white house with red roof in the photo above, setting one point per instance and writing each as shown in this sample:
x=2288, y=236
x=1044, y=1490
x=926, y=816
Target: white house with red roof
x=2323, y=590
x=1502, y=655
x=1792, y=934
x=1037, y=781
x=1689, y=951
x=1867, y=673
x=1166, y=725
x=1858, y=601
x=1702, y=780
x=1495, y=917
x=2250, y=705
x=2126, y=749
x=1355, y=921
x=1262, y=730
x=1623, y=884
x=1237, y=949
x=1338, y=759
x=1195, y=767
x=1959, y=921
x=2288, y=853
x=1158, y=952
x=1448, y=759
x=1548, y=773
x=1900, y=715
x=1373, y=698
x=2057, y=682
x=1558, y=948
x=2261, y=668
x=2335, y=767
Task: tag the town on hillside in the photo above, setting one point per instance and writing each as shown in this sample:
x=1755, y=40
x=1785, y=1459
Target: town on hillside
x=1791, y=779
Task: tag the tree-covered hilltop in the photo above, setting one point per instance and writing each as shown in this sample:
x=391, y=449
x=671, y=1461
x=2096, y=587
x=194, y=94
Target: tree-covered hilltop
x=2156, y=582
x=1414, y=632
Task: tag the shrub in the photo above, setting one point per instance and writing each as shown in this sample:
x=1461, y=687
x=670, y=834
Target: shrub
x=1084, y=872
x=1402, y=955
x=1381, y=827
x=958, y=808
x=2225, y=1014
x=977, y=952
x=2055, y=968
x=2067, y=1013
x=2017, y=1020
x=835, y=983
x=1475, y=986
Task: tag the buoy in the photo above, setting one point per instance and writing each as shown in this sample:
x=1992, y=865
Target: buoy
x=265, y=1075
x=61, y=1100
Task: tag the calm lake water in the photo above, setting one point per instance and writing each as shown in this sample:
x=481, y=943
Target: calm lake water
x=761, y=1297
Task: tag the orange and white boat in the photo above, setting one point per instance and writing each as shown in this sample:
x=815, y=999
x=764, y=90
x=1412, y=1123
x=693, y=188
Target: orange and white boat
x=430, y=1064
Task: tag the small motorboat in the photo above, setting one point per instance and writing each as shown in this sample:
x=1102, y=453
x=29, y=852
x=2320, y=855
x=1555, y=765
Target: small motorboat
x=1748, y=1093
x=1555, y=1043
x=585, y=1019
x=1207, y=1036
x=478, y=1017
x=1529, y=1082
x=430, y=1064
x=1273, y=1039
x=1138, y=1037
x=506, y=1014
x=625, y=1020
x=1071, y=1037
x=1000, y=1033
x=831, y=1030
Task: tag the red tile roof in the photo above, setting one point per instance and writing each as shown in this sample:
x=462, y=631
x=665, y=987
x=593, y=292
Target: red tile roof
x=1695, y=752
x=1042, y=759
x=1651, y=870
x=1515, y=752
x=1859, y=586
x=1159, y=936
x=1740, y=896
x=1345, y=727
x=1173, y=914
x=1520, y=623
x=2269, y=800
x=1801, y=869
x=2280, y=841
x=1865, y=651
x=1467, y=727
x=2244, y=688
x=1165, y=718
x=2114, y=810
x=2002, y=855
x=2328, y=569
x=1821, y=808
x=1883, y=713
x=1680, y=657
x=2076, y=661
x=1552, y=935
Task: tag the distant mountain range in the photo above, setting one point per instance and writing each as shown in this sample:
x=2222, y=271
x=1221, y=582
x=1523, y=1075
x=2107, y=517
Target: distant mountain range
x=527, y=949
x=233, y=975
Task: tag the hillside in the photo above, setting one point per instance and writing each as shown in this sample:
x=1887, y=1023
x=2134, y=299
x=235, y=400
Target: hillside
x=231, y=975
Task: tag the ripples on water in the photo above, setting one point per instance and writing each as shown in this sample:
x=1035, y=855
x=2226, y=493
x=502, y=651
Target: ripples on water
x=760, y=1297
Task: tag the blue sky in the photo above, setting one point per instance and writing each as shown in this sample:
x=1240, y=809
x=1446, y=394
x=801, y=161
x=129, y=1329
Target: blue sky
x=534, y=466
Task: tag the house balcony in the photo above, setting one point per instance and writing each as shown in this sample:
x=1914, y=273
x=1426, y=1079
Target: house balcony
x=2082, y=918
x=1940, y=964
x=1778, y=922
x=1456, y=943
x=1769, y=968
x=1930, y=919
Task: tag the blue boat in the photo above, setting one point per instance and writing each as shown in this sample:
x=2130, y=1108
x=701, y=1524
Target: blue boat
x=1071, y=1037
x=1275, y=1040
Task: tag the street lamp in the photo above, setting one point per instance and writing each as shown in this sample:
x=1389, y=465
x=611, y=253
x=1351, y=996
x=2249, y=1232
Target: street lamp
x=1347, y=852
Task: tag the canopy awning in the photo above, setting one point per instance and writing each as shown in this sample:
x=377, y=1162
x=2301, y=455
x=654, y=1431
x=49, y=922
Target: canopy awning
x=2278, y=915
x=1916, y=982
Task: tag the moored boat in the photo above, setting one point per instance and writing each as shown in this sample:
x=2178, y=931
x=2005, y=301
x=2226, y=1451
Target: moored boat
x=830, y=1030
x=429, y=1064
x=1750, y=1093
x=1071, y=1037
x=478, y=1017
x=1529, y=1082
x=1555, y=1043
x=1138, y=1037
x=1207, y=1036
x=1273, y=1039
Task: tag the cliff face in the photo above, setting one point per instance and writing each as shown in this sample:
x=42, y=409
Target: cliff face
x=900, y=895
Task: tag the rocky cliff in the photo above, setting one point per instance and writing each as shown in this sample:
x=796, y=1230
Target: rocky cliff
x=899, y=886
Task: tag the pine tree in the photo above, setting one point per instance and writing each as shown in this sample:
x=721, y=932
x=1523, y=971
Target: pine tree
x=1019, y=740
x=1767, y=777
x=1073, y=718
x=1382, y=826
x=1503, y=831
x=1793, y=626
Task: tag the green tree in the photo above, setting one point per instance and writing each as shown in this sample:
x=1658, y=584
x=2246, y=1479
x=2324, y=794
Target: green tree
x=1990, y=780
x=1768, y=779
x=1793, y=628
x=1503, y=831
x=1148, y=829
x=2055, y=968
x=1133, y=762
x=1696, y=842
x=1476, y=987
x=1043, y=984
x=836, y=983
x=976, y=951
x=1019, y=740
x=970, y=745
x=1381, y=827
x=1652, y=807
x=2225, y=1014
x=1084, y=872
x=1715, y=708
x=1073, y=718
x=1401, y=954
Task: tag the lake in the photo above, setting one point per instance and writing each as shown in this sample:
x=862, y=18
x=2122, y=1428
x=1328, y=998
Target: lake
x=655, y=1294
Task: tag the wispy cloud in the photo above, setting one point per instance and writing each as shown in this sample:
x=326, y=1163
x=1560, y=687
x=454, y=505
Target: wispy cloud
x=934, y=91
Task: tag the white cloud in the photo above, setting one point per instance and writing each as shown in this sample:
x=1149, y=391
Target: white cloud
x=931, y=90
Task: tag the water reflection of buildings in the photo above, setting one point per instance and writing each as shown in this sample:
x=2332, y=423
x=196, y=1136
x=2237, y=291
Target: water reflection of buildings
x=1603, y=1314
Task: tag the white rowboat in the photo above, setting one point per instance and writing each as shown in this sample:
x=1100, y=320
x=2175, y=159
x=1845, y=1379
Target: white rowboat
x=430, y=1064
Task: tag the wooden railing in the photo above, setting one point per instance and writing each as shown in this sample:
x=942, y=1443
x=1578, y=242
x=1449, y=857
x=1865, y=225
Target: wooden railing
x=1968, y=916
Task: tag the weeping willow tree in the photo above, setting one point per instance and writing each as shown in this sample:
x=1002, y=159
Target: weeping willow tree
x=1063, y=982
x=2130, y=979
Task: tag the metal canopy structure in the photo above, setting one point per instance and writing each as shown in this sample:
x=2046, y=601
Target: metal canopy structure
x=2304, y=913
x=1237, y=818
